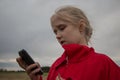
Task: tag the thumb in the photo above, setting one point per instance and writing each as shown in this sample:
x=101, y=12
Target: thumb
x=21, y=63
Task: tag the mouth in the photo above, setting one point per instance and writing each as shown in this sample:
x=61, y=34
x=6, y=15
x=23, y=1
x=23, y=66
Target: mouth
x=62, y=42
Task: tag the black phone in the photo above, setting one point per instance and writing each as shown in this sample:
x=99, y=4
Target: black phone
x=28, y=59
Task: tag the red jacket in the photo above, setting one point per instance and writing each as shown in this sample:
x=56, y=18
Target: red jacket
x=80, y=62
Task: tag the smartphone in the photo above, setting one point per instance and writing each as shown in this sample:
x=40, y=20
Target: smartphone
x=28, y=59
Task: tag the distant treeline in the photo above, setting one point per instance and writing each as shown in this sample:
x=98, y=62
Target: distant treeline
x=44, y=68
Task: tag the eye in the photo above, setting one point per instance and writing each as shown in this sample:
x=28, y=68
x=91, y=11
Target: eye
x=55, y=31
x=61, y=27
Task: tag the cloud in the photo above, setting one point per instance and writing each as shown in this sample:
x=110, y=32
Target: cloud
x=107, y=29
x=26, y=24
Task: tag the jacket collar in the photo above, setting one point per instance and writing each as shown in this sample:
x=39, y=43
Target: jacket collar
x=74, y=53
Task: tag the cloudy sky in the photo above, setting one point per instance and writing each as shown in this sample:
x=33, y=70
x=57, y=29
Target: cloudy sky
x=25, y=24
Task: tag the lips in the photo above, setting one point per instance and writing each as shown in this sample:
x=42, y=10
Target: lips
x=62, y=42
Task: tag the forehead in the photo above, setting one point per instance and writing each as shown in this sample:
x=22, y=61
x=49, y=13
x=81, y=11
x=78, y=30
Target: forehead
x=57, y=20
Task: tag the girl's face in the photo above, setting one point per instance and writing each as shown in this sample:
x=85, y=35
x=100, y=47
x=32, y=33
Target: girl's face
x=66, y=32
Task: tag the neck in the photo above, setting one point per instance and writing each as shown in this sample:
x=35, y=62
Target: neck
x=83, y=42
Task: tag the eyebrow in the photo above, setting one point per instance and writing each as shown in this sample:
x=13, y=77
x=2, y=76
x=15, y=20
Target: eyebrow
x=60, y=25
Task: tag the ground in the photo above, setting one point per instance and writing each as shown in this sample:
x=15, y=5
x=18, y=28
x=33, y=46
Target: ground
x=16, y=76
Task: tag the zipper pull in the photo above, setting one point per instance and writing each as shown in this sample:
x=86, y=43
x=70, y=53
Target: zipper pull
x=59, y=77
x=67, y=59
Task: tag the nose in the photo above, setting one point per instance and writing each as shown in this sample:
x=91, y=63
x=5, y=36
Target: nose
x=58, y=36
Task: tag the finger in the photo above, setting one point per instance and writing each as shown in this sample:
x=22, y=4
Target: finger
x=34, y=72
x=38, y=65
x=21, y=62
x=31, y=67
x=18, y=59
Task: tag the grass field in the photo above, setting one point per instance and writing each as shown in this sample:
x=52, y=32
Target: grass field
x=16, y=76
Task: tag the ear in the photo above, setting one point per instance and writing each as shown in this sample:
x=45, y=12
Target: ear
x=82, y=25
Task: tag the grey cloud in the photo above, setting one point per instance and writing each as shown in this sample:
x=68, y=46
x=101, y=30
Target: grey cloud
x=26, y=24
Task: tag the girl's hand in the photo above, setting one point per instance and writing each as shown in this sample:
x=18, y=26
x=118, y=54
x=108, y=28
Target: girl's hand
x=33, y=73
x=30, y=69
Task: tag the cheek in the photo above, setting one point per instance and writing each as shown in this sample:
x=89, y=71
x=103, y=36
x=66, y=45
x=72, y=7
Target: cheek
x=72, y=36
x=67, y=33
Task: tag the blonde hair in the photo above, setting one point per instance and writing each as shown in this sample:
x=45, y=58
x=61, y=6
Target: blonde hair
x=73, y=15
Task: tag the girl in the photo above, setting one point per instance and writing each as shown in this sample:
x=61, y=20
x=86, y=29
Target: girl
x=78, y=61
